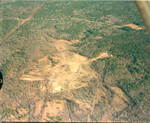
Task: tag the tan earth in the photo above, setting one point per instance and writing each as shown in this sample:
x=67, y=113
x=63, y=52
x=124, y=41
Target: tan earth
x=38, y=107
x=53, y=109
x=98, y=37
x=100, y=56
x=116, y=105
x=22, y=112
x=69, y=72
x=133, y=26
x=120, y=93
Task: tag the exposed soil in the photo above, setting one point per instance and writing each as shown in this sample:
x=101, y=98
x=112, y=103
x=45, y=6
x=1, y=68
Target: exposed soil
x=120, y=93
x=98, y=37
x=53, y=109
x=66, y=74
x=18, y=118
x=133, y=26
x=69, y=70
x=100, y=56
x=31, y=78
x=72, y=76
x=39, y=105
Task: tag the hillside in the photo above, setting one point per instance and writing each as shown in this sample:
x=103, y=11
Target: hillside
x=74, y=61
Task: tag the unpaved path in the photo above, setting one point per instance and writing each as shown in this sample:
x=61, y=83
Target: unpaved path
x=100, y=56
x=24, y=21
x=133, y=26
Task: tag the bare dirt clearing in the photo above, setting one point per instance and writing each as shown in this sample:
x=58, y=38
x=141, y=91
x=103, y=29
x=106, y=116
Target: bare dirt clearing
x=31, y=78
x=98, y=37
x=102, y=55
x=39, y=107
x=22, y=116
x=120, y=93
x=133, y=26
x=66, y=74
x=53, y=109
x=71, y=72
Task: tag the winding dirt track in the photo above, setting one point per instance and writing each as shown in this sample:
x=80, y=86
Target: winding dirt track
x=19, y=25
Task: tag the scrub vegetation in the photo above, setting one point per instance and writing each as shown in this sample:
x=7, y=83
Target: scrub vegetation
x=94, y=27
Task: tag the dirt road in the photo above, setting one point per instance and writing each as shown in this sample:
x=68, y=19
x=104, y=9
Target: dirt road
x=19, y=25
